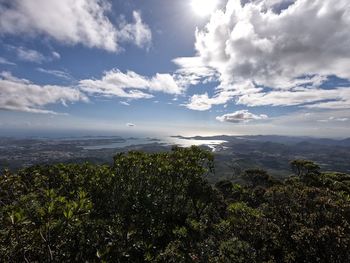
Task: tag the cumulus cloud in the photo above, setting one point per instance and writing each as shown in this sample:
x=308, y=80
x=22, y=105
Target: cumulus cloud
x=251, y=41
x=130, y=85
x=22, y=95
x=72, y=22
x=241, y=116
x=202, y=102
x=224, y=94
x=279, y=44
x=193, y=71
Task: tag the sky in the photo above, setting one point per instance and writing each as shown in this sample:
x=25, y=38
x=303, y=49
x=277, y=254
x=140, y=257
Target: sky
x=189, y=67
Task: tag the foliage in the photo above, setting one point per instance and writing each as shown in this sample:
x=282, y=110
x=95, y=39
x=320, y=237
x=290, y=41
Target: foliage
x=160, y=208
x=302, y=168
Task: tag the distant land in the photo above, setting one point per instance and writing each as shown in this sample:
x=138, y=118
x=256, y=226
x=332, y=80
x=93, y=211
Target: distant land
x=233, y=154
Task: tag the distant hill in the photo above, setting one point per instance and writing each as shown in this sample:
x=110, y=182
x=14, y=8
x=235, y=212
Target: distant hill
x=269, y=152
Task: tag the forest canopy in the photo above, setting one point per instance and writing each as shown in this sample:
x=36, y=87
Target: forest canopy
x=159, y=207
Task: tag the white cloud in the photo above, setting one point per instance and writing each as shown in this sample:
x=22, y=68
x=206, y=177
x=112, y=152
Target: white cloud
x=6, y=62
x=22, y=95
x=30, y=55
x=273, y=49
x=202, y=102
x=341, y=119
x=332, y=118
x=283, y=45
x=130, y=85
x=137, y=33
x=332, y=105
x=223, y=95
x=57, y=73
x=56, y=55
x=308, y=97
x=124, y=103
x=165, y=83
x=130, y=125
x=241, y=116
x=192, y=70
x=72, y=22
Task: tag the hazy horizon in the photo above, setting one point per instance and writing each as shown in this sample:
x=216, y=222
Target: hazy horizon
x=139, y=134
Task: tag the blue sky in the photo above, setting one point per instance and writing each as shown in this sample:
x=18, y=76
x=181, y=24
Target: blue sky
x=175, y=67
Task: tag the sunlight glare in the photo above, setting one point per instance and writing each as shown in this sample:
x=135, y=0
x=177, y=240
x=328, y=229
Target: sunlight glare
x=204, y=7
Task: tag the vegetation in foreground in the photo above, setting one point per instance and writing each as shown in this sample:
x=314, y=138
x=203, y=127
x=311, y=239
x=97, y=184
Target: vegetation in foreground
x=160, y=208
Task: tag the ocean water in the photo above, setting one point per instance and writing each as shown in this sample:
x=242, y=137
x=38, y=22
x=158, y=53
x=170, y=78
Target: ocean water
x=212, y=144
x=184, y=142
x=117, y=139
